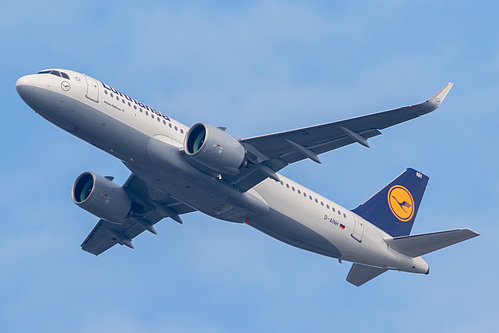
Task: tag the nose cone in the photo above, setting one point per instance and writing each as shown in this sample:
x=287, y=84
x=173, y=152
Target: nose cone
x=22, y=81
x=24, y=86
x=32, y=90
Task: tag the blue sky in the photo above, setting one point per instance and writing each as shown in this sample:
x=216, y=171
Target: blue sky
x=255, y=67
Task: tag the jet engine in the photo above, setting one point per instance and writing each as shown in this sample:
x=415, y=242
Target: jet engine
x=215, y=149
x=101, y=196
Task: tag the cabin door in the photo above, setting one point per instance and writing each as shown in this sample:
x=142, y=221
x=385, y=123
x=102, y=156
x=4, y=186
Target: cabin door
x=358, y=229
x=92, y=89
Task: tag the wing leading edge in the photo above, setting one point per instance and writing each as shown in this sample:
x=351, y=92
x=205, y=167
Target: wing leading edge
x=270, y=153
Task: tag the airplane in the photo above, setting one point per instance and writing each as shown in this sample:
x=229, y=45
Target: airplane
x=178, y=169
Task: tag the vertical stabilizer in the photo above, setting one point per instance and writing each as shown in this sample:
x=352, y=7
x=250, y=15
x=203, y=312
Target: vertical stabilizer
x=394, y=208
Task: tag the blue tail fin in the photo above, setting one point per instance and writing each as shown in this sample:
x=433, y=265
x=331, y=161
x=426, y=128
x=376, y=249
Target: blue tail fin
x=393, y=209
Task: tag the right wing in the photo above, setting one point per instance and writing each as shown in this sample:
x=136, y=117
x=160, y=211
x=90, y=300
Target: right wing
x=151, y=207
x=270, y=153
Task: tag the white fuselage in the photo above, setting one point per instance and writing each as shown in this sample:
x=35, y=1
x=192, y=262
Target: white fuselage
x=150, y=144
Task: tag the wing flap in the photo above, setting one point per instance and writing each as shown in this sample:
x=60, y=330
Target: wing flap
x=323, y=147
x=99, y=240
x=107, y=234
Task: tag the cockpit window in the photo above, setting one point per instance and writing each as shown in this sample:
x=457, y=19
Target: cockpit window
x=56, y=73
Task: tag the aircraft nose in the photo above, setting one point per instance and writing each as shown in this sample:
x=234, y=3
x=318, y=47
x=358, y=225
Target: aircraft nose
x=30, y=88
x=24, y=81
x=21, y=81
x=26, y=86
x=23, y=85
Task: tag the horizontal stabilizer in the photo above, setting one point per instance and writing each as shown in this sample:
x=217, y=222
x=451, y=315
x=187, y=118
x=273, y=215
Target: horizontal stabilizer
x=418, y=245
x=360, y=274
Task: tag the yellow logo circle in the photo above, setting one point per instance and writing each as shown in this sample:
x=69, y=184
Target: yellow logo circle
x=401, y=203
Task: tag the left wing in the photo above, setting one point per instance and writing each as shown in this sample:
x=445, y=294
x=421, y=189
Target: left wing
x=267, y=154
x=151, y=207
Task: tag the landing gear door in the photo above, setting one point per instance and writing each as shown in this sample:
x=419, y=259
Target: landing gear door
x=358, y=229
x=92, y=89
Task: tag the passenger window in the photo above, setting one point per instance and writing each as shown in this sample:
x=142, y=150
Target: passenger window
x=344, y=215
x=176, y=128
x=105, y=92
x=182, y=131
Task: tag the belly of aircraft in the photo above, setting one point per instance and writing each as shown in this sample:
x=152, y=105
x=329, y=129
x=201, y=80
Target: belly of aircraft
x=292, y=232
x=200, y=192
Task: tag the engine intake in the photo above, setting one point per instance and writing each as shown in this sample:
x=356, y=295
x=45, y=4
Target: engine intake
x=101, y=197
x=214, y=148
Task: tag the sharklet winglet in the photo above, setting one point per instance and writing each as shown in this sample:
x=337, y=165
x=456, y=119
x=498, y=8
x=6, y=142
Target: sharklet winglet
x=439, y=97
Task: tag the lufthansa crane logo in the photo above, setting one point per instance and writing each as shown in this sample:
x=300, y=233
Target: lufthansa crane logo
x=401, y=203
x=65, y=85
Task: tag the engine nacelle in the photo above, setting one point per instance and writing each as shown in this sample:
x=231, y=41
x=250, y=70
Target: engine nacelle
x=101, y=197
x=214, y=148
